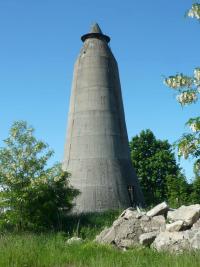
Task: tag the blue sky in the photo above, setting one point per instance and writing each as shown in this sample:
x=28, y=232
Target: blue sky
x=40, y=40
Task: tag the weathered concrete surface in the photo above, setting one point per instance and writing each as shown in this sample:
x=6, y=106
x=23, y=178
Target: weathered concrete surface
x=97, y=151
x=188, y=214
x=175, y=226
x=128, y=230
x=147, y=238
x=171, y=241
x=196, y=225
x=178, y=241
x=134, y=228
x=157, y=210
x=129, y=213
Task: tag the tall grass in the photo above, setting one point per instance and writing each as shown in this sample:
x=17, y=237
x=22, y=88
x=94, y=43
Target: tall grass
x=87, y=226
x=51, y=250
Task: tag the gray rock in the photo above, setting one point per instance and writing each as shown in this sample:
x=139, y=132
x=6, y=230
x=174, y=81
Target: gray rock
x=195, y=241
x=188, y=214
x=127, y=229
x=196, y=225
x=171, y=241
x=134, y=228
x=74, y=240
x=193, y=236
x=99, y=238
x=124, y=211
x=160, y=223
x=140, y=215
x=175, y=226
x=145, y=218
x=178, y=241
x=118, y=221
x=129, y=213
x=159, y=219
x=158, y=210
x=147, y=238
x=107, y=236
x=156, y=223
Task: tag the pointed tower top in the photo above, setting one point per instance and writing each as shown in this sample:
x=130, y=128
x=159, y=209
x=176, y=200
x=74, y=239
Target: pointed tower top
x=95, y=32
x=95, y=28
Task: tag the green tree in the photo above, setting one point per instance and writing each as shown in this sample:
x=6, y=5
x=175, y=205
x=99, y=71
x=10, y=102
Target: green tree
x=178, y=190
x=32, y=195
x=188, y=90
x=155, y=164
x=195, y=194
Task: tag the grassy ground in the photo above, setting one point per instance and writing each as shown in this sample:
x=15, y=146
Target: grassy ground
x=51, y=250
x=87, y=226
x=30, y=250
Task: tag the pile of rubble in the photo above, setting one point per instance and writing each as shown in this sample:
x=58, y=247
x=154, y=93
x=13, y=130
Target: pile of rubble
x=161, y=228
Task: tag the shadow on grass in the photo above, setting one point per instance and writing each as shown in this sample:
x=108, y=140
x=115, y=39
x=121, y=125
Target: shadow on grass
x=87, y=226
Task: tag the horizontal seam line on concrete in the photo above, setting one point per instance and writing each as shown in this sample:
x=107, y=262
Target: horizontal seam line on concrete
x=104, y=158
x=97, y=87
x=93, y=110
x=84, y=135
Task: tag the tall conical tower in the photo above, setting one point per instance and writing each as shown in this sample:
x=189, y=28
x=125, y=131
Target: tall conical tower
x=97, y=150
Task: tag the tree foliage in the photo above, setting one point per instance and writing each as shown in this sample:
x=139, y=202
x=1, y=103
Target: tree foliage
x=194, y=11
x=155, y=164
x=33, y=196
x=188, y=90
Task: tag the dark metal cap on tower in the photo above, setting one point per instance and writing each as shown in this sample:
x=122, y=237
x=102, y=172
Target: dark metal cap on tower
x=95, y=32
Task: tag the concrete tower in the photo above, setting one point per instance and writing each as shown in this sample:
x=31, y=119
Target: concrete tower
x=97, y=150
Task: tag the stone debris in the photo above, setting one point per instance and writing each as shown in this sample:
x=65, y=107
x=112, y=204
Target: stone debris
x=196, y=225
x=188, y=214
x=74, y=240
x=171, y=241
x=134, y=227
x=195, y=240
x=160, y=209
x=159, y=220
x=129, y=213
x=175, y=226
x=147, y=238
x=127, y=229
